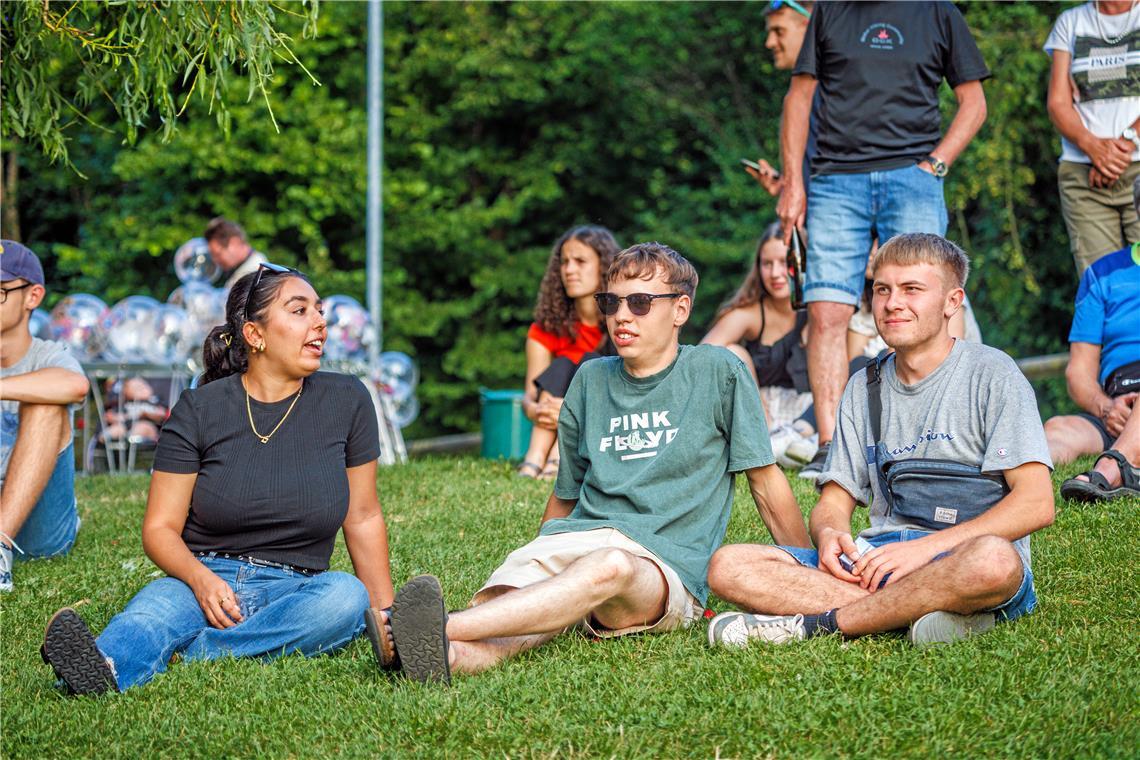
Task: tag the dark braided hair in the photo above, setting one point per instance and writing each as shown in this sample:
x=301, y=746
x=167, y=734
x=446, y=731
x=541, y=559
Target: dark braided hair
x=554, y=311
x=225, y=351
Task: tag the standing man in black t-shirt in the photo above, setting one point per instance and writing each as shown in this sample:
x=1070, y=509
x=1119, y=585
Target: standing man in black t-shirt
x=880, y=160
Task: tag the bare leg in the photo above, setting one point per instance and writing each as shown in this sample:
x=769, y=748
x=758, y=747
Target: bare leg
x=766, y=579
x=44, y=432
x=827, y=361
x=1127, y=444
x=981, y=573
x=616, y=587
x=542, y=441
x=1070, y=436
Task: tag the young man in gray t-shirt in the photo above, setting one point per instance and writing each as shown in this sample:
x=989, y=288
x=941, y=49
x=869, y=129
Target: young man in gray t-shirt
x=942, y=399
x=39, y=380
x=650, y=442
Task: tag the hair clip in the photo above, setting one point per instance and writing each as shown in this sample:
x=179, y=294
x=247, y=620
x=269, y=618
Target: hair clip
x=225, y=338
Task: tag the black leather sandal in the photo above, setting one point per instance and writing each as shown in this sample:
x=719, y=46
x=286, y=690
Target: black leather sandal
x=1097, y=487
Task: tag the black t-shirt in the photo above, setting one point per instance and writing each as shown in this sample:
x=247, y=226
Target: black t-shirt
x=878, y=68
x=281, y=501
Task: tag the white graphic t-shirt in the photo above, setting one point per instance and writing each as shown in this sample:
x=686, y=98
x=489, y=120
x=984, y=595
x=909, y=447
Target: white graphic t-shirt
x=1105, y=70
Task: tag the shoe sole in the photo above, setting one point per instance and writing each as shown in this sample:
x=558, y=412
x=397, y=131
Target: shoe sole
x=70, y=649
x=419, y=626
x=959, y=628
x=386, y=661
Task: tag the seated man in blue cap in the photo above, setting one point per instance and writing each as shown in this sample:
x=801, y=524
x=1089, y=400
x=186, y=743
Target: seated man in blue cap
x=41, y=379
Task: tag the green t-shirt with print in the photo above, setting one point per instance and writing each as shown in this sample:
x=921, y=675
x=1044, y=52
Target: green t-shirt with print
x=655, y=457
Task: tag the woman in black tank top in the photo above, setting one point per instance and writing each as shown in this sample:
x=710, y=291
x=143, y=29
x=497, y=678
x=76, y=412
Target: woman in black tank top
x=759, y=325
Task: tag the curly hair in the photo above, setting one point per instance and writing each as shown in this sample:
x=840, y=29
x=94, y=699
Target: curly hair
x=225, y=351
x=752, y=290
x=554, y=310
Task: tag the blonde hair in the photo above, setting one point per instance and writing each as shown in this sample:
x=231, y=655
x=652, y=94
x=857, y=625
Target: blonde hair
x=924, y=248
x=642, y=261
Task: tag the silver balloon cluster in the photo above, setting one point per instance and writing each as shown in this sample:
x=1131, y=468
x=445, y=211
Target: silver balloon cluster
x=398, y=379
x=139, y=329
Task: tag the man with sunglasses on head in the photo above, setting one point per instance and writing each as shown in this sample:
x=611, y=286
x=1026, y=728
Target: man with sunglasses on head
x=880, y=159
x=39, y=380
x=650, y=441
x=231, y=251
x=785, y=23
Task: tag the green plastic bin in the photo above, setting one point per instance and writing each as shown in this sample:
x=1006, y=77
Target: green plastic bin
x=506, y=430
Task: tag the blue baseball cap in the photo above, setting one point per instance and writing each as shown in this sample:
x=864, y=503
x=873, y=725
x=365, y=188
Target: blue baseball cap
x=17, y=262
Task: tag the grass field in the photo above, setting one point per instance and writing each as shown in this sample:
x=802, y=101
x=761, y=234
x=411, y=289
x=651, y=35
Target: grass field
x=1061, y=683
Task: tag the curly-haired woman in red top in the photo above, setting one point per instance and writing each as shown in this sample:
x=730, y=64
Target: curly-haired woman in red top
x=567, y=330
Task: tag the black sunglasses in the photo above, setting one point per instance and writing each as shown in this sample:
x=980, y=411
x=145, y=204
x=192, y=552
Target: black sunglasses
x=275, y=269
x=639, y=303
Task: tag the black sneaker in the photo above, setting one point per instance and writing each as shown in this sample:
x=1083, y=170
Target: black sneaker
x=814, y=468
x=70, y=649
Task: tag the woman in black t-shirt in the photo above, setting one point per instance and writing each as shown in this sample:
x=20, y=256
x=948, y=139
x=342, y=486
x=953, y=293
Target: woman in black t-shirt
x=759, y=325
x=254, y=474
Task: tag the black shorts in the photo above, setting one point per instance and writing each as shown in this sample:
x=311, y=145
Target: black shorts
x=556, y=378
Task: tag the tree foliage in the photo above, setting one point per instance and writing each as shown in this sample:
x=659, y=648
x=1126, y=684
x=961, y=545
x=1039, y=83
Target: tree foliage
x=145, y=60
x=506, y=124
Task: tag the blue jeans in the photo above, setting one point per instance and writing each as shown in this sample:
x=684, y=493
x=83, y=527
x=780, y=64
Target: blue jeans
x=53, y=523
x=284, y=611
x=845, y=211
x=1023, y=601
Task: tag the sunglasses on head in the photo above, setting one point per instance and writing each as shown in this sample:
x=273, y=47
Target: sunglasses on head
x=776, y=5
x=639, y=303
x=275, y=269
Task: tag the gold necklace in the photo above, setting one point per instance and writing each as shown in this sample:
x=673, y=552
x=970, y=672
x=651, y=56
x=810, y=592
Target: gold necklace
x=249, y=411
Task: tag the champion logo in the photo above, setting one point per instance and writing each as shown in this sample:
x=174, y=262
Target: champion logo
x=1002, y=453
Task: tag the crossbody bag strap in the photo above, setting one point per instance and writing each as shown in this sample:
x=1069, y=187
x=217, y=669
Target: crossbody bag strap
x=875, y=397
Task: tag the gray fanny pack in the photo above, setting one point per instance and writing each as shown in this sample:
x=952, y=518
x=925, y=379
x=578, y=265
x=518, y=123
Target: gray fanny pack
x=929, y=493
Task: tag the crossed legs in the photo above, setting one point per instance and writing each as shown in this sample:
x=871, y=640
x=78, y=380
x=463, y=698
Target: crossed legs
x=979, y=574
x=612, y=586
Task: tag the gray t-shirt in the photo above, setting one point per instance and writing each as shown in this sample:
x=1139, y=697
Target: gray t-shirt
x=976, y=408
x=42, y=354
x=654, y=457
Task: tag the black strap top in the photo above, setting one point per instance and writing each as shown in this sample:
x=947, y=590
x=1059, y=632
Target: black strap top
x=784, y=363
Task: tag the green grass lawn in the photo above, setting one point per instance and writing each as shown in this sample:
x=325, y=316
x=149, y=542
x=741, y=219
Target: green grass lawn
x=1060, y=683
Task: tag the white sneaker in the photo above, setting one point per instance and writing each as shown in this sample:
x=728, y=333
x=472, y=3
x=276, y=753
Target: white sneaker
x=5, y=567
x=940, y=627
x=736, y=629
x=801, y=451
x=782, y=437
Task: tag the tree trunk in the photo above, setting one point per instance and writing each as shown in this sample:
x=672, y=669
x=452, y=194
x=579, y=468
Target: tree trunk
x=10, y=223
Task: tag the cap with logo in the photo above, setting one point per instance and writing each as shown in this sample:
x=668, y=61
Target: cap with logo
x=17, y=262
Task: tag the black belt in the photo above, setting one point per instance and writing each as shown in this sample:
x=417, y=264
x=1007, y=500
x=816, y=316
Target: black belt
x=307, y=571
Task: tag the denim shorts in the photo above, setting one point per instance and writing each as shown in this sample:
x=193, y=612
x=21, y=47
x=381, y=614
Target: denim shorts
x=1023, y=601
x=846, y=211
x=53, y=523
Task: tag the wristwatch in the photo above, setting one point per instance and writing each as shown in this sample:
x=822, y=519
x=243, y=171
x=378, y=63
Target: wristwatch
x=938, y=166
x=1130, y=135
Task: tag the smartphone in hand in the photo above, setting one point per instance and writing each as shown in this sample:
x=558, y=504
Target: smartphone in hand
x=757, y=167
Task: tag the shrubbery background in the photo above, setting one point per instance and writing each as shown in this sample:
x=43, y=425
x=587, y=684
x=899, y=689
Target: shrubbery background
x=505, y=124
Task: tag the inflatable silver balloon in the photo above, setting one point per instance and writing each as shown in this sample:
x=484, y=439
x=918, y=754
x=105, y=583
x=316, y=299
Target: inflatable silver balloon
x=76, y=320
x=40, y=324
x=397, y=367
x=192, y=262
x=349, y=329
x=406, y=411
x=175, y=336
x=130, y=329
x=205, y=306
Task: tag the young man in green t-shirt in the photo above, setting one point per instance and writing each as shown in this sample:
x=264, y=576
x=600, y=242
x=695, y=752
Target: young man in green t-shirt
x=649, y=441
